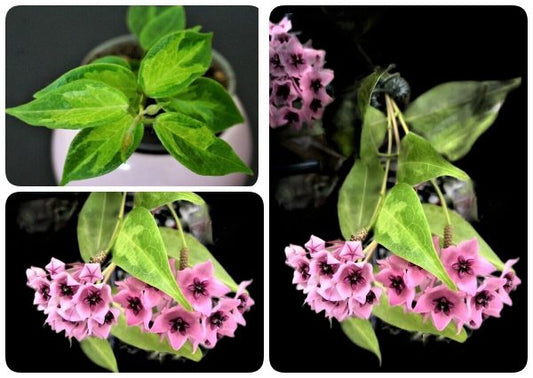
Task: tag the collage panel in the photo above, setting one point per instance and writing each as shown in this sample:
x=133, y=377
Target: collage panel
x=398, y=225
x=134, y=282
x=139, y=95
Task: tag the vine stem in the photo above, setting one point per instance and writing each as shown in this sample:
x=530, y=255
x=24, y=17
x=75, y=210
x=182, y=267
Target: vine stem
x=400, y=117
x=184, y=253
x=108, y=272
x=117, y=226
x=369, y=250
x=442, y=201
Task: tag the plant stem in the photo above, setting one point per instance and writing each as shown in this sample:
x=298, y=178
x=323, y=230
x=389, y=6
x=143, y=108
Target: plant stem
x=400, y=117
x=369, y=250
x=117, y=226
x=108, y=272
x=184, y=253
x=442, y=201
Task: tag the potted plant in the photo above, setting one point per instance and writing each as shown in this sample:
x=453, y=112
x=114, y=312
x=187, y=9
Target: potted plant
x=135, y=101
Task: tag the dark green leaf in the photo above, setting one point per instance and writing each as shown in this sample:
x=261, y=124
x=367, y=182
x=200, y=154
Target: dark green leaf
x=171, y=19
x=99, y=150
x=99, y=351
x=138, y=17
x=206, y=100
x=362, y=334
x=112, y=59
x=372, y=134
x=76, y=105
x=151, y=342
x=198, y=253
x=413, y=322
x=113, y=75
x=140, y=251
x=195, y=146
x=403, y=229
x=97, y=221
x=368, y=84
x=359, y=196
x=174, y=62
x=462, y=230
x=152, y=200
x=419, y=162
x=451, y=116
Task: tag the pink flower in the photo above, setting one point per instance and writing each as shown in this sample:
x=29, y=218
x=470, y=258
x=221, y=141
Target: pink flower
x=199, y=285
x=349, y=251
x=90, y=273
x=363, y=310
x=322, y=268
x=221, y=321
x=137, y=310
x=443, y=305
x=92, y=301
x=245, y=301
x=32, y=274
x=179, y=325
x=353, y=280
x=511, y=281
x=413, y=275
x=102, y=330
x=63, y=288
x=315, y=244
x=463, y=263
x=42, y=292
x=486, y=301
x=55, y=266
x=397, y=291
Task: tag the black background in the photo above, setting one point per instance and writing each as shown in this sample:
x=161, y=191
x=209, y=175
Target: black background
x=31, y=347
x=42, y=43
x=429, y=45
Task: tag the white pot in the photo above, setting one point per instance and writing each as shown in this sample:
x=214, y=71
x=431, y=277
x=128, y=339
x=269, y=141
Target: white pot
x=144, y=169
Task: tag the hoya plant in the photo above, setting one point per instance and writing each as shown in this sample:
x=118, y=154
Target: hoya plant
x=413, y=263
x=154, y=288
x=113, y=99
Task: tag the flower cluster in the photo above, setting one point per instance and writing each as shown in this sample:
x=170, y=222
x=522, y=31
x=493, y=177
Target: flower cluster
x=333, y=279
x=215, y=313
x=480, y=294
x=298, y=79
x=73, y=299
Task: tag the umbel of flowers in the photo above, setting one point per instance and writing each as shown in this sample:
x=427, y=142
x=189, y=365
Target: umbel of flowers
x=298, y=79
x=338, y=281
x=77, y=300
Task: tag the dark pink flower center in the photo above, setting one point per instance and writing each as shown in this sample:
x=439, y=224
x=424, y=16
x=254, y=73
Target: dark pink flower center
x=243, y=298
x=297, y=60
x=315, y=105
x=275, y=61
x=282, y=38
x=292, y=117
x=508, y=286
x=135, y=305
x=217, y=319
x=179, y=325
x=44, y=290
x=65, y=290
x=482, y=299
x=283, y=91
x=442, y=304
x=396, y=283
x=316, y=85
x=354, y=278
x=370, y=297
x=93, y=298
x=198, y=288
x=326, y=269
x=109, y=317
x=303, y=269
x=463, y=266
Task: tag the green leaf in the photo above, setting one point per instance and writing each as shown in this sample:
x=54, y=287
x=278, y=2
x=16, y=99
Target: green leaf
x=112, y=59
x=76, y=105
x=171, y=19
x=195, y=146
x=114, y=75
x=151, y=342
x=419, y=162
x=372, y=134
x=174, y=62
x=97, y=221
x=153, y=200
x=462, y=230
x=362, y=334
x=138, y=17
x=403, y=229
x=198, y=253
x=140, y=251
x=99, y=150
x=99, y=351
x=359, y=196
x=208, y=101
x=368, y=84
x=413, y=322
x=453, y=115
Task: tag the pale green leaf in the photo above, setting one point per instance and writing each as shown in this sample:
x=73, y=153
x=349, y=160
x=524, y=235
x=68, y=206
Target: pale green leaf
x=114, y=75
x=174, y=62
x=99, y=351
x=76, y=105
x=97, y=221
x=359, y=196
x=462, y=230
x=99, y=150
x=362, y=334
x=208, y=101
x=452, y=116
x=151, y=342
x=198, y=253
x=413, y=322
x=140, y=251
x=402, y=228
x=171, y=19
x=152, y=200
x=195, y=146
x=372, y=134
x=112, y=59
x=419, y=162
